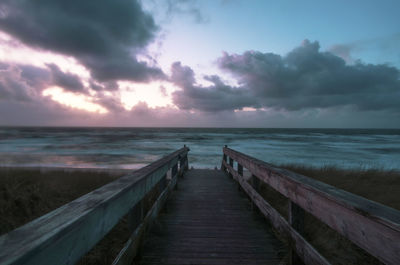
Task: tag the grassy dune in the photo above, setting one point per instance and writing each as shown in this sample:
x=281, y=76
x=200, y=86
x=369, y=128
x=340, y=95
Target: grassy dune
x=26, y=194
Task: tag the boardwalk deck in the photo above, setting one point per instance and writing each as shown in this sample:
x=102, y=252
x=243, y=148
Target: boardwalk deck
x=209, y=222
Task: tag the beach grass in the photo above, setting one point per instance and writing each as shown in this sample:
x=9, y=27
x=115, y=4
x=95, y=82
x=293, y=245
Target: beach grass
x=26, y=194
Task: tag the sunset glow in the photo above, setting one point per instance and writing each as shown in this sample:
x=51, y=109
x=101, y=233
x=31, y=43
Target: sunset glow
x=73, y=100
x=13, y=51
x=201, y=63
x=155, y=94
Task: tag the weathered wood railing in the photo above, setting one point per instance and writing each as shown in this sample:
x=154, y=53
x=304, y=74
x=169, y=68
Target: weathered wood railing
x=370, y=225
x=67, y=233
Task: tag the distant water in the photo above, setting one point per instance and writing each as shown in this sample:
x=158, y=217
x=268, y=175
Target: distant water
x=136, y=147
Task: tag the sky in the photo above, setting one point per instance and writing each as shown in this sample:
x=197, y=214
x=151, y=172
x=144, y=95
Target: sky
x=205, y=63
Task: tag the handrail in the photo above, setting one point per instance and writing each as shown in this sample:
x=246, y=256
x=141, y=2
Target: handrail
x=370, y=225
x=67, y=233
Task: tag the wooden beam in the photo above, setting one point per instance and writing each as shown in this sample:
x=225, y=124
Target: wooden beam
x=305, y=251
x=231, y=164
x=296, y=220
x=67, y=233
x=130, y=249
x=370, y=225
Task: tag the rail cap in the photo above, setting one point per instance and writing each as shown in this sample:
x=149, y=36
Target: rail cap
x=370, y=209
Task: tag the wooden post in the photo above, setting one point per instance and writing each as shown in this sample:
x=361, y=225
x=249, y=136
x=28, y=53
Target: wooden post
x=183, y=164
x=186, y=163
x=240, y=172
x=231, y=161
x=135, y=216
x=174, y=171
x=255, y=183
x=296, y=220
x=162, y=184
x=224, y=158
x=231, y=164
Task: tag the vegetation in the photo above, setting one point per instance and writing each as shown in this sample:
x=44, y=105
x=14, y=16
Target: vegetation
x=26, y=194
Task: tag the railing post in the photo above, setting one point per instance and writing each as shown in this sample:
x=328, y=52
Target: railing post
x=296, y=220
x=185, y=161
x=135, y=216
x=240, y=169
x=183, y=164
x=231, y=164
x=224, y=158
x=240, y=172
x=174, y=171
x=255, y=183
x=162, y=184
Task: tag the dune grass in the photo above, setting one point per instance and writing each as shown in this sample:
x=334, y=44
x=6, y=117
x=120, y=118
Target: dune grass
x=375, y=184
x=26, y=194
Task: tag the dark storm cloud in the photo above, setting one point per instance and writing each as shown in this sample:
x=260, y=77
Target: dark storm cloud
x=34, y=76
x=305, y=78
x=11, y=88
x=216, y=97
x=67, y=81
x=104, y=86
x=111, y=103
x=25, y=83
x=22, y=82
x=103, y=35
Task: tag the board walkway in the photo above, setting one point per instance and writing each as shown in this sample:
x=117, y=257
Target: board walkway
x=209, y=221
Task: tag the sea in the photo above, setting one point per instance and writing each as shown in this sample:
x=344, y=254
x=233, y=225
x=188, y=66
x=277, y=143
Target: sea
x=132, y=148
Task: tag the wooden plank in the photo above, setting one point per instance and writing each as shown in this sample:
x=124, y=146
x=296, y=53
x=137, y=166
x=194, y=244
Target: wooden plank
x=296, y=220
x=209, y=223
x=305, y=251
x=129, y=251
x=370, y=225
x=65, y=234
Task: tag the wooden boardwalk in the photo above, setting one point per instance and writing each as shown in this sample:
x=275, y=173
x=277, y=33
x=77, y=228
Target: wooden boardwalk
x=208, y=221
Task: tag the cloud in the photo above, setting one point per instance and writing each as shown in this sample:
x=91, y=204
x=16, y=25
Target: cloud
x=12, y=89
x=343, y=51
x=105, y=36
x=111, y=102
x=216, y=97
x=381, y=46
x=26, y=82
x=163, y=91
x=67, y=81
x=21, y=82
x=104, y=86
x=165, y=10
x=188, y=7
x=305, y=78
